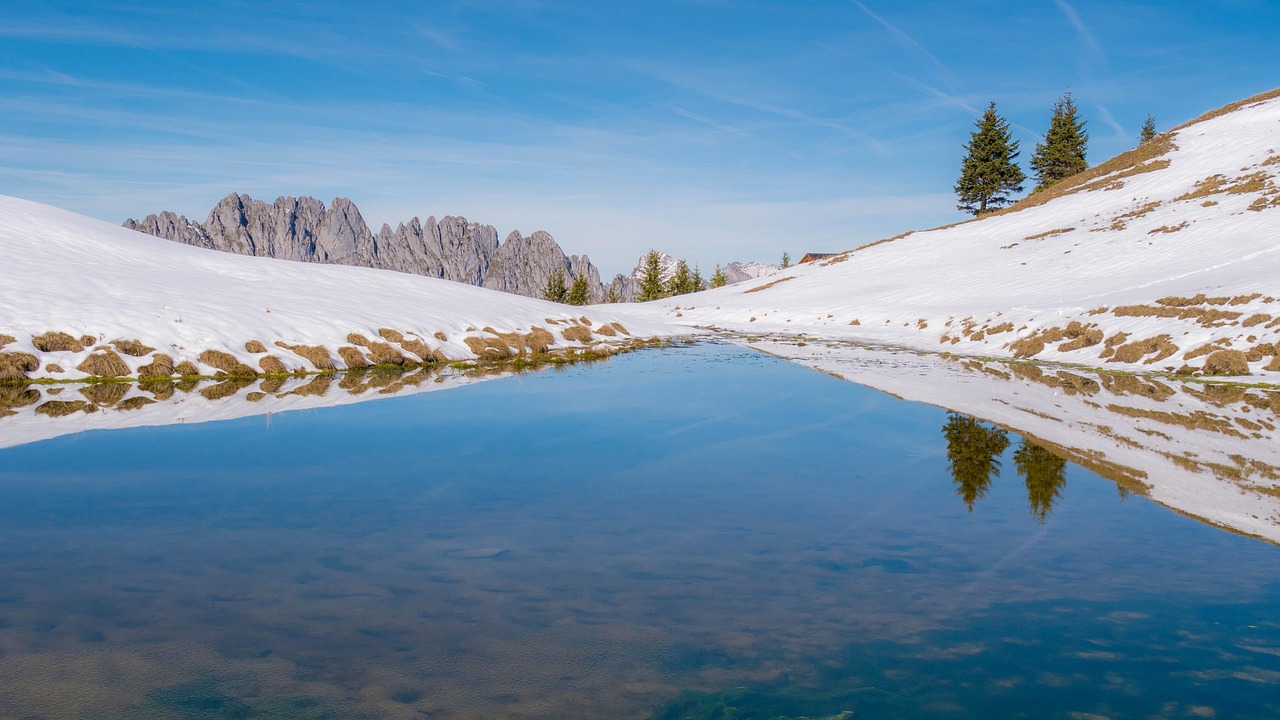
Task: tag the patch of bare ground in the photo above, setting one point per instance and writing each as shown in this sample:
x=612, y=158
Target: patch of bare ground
x=1049, y=233
x=768, y=285
x=226, y=363
x=255, y=347
x=1121, y=384
x=1147, y=152
x=1075, y=336
x=317, y=355
x=352, y=357
x=53, y=341
x=14, y=366
x=1225, y=109
x=1204, y=188
x=1195, y=420
x=133, y=348
x=104, y=363
x=1170, y=228
x=1207, y=317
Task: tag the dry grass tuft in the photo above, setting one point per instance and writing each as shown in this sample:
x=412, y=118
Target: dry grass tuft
x=317, y=355
x=768, y=285
x=1027, y=347
x=441, y=336
x=57, y=342
x=161, y=365
x=492, y=348
x=1048, y=233
x=358, y=339
x=6, y=339
x=63, y=408
x=352, y=357
x=186, y=369
x=1204, y=188
x=105, y=394
x=1080, y=336
x=1199, y=299
x=540, y=340
x=1256, y=182
x=255, y=346
x=1170, y=228
x=618, y=326
x=577, y=333
x=133, y=348
x=585, y=320
x=1159, y=346
x=1260, y=351
x=318, y=387
x=383, y=354
x=1123, y=384
x=227, y=363
x=272, y=365
x=1227, y=362
x=394, y=336
x=607, y=330
x=14, y=366
x=54, y=368
x=1111, y=344
x=104, y=363
x=255, y=396
x=422, y=350
x=226, y=388
x=272, y=385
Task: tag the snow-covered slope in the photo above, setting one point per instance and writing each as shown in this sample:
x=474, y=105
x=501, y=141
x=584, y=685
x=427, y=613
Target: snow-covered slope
x=91, y=283
x=1157, y=261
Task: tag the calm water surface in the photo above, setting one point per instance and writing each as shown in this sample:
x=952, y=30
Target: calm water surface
x=694, y=533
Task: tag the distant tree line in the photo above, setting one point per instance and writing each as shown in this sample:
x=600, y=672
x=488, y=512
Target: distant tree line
x=989, y=172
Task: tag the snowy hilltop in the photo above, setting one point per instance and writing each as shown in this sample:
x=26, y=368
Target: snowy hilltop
x=1165, y=259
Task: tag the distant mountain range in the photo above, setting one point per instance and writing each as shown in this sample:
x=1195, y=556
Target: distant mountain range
x=452, y=248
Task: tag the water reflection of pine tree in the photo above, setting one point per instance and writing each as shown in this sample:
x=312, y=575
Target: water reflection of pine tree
x=1045, y=475
x=973, y=450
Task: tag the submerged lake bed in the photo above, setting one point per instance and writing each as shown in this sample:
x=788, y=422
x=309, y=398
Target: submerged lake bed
x=687, y=533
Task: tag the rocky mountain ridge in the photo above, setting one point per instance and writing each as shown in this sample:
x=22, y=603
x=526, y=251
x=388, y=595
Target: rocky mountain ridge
x=305, y=230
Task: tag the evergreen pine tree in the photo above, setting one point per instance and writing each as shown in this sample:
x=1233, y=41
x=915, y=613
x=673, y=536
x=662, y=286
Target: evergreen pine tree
x=698, y=283
x=989, y=174
x=1044, y=473
x=1062, y=154
x=973, y=450
x=651, y=285
x=719, y=279
x=580, y=291
x=555, y=290
x=1148, y=129
x=786, y=260
x=613, y=296
x=681, y=282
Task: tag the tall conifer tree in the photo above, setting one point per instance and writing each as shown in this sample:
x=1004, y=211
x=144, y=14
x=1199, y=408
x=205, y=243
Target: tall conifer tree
x=651, y=285
x=1148, y=129
x=989, y=174
x=1062, y=154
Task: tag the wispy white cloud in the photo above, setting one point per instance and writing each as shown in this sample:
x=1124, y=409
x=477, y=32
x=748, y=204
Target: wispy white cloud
x=1086, y=35
x=941, y=69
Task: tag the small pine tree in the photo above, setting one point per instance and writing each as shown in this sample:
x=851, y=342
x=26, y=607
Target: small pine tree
x=1148, y=129
x=681, y=281
x=719, y=279
x=786, y=260
x=613, y=296
x=1044, y=473
x=651, y=285
x=580, y=291
x=989, y=174
x=1062, y=154
x=555, y=290
x=698, y=283
x=973, y=450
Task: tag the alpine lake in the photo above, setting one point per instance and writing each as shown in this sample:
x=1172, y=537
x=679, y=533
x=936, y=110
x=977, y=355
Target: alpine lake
x=700, y=532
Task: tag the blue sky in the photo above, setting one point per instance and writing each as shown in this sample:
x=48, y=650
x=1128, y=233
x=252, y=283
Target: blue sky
x=715, y=130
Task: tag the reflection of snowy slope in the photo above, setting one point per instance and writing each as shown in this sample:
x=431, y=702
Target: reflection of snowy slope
x=1173, y=250
x=1209, y=451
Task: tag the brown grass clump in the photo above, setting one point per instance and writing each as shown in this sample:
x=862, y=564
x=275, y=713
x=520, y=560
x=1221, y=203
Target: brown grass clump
x=1048, y=233
x=577, y=333
x=768, y=285
x=105, y=394
x=1257, y=182
x=1257, y=319
x=394, y=336
x=618, y=326
x=383, y=354
x=227, y=363
x=585, y=320
x=352, y=357
x=186, y=369
x=1122, y=384
x=256, y=396
x=358, y=339
x=1112, y=343
x=318, y=387
x=441, y=336
x=255, y=346
x=272, y=365
x=1132, y=352
x=6, y=339
x=1208, y=186
x=1257, y=352
x=1274, y=365
x=162, y=389
x=54, y=368
x=1244, y=299
x=317, y=355
x=14, y=366
x=540, y=340
x=1227, y=362
x=1199, y=299
x=63, y=408
x=607, y=330
x=57, y=342
x=494, y=348
x=1027, y=347
x=225, y=389
x=1170, y=228
x=272, y=385
x=161, y=365
x=1206, y=349
x=422, y=350
x=133, y=348
x=104, y=363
